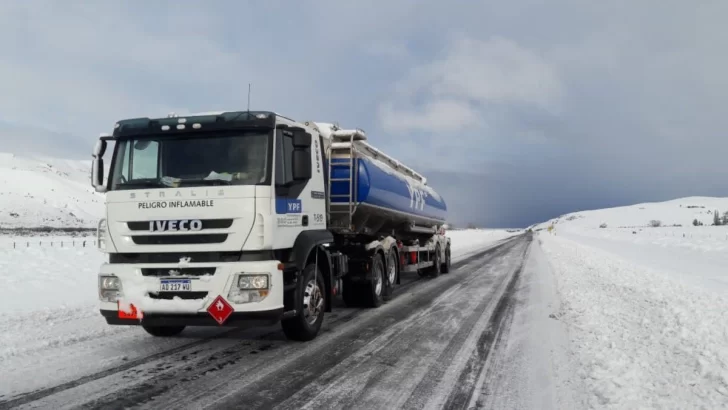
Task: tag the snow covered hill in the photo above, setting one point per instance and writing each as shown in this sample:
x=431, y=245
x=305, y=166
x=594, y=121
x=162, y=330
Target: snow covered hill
x=38, y=191
x=681, y=211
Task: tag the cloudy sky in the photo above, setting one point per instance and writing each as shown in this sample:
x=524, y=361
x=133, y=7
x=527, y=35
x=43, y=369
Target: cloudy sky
x=541, y=107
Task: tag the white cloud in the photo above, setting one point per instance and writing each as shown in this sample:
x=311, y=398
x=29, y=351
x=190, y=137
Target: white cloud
x=437, y=116
x=472, y=76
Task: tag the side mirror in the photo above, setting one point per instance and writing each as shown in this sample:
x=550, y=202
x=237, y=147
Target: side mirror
x=301, y=165
x=301, y=139
x=97, y=174
x=99, y=149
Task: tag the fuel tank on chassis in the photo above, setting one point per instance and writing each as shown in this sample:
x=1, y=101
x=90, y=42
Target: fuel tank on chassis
x=194, y=219
x=386, y=198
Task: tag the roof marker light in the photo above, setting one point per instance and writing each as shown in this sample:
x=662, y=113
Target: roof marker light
x=182, y=120
x=196, y=126
x=180, y=126
x=165, y=127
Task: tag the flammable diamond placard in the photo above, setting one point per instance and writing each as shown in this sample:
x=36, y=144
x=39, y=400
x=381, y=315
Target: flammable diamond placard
x=220, y=309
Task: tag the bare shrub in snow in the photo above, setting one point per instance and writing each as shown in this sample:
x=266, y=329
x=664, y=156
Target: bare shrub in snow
x=655, y=223
x=603, y=225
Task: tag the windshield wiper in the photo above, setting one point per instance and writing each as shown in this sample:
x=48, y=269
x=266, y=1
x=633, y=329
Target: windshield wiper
x=147, y=182
x=207, y=181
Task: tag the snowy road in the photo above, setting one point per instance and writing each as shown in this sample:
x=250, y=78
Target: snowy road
x=440, y=343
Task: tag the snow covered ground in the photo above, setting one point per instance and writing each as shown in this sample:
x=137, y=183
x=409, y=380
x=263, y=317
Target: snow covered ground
x=630, y=317
x=38, y=191
x=646, y=308
x=50, y=318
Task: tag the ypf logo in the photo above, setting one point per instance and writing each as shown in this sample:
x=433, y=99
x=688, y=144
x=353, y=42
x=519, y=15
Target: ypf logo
x=417, y=197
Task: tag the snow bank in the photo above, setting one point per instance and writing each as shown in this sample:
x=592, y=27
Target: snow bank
x=696, y=255
x=40, y=191
x=42, y=277
x=643, y=338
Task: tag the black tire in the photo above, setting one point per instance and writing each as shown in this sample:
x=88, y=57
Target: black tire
x=310, y=311
x=163, y=331
x=391, y=269
x=448, y=262
x=373, y=291
x=436, y=264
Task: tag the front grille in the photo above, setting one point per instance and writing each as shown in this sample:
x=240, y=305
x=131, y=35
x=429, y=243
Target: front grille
x=181, y=295
x=206, y=224
x=200, y=257
x=178, y=271
x=179, y=239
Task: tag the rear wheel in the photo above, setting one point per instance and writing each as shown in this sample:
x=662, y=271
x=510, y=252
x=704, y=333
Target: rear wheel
x=391, y=267
x=369, y=293
x=446, y=265
x=436, y=264
x=375, y=287
x=163, y=331
x=310, y=312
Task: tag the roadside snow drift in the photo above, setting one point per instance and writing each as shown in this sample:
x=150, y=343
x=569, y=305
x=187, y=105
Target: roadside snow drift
x=646, y=303
x=47, y=192
x=643, y=339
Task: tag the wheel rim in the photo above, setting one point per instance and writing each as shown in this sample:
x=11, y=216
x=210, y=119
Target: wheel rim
x=313, y=302
x=392, y=271
x=378, y=281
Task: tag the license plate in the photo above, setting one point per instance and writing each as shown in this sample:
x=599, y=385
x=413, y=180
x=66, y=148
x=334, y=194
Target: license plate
x=175, y=285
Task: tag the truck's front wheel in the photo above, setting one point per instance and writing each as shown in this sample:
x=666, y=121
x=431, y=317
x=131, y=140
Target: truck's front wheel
x=164, y=331
x=307, y=322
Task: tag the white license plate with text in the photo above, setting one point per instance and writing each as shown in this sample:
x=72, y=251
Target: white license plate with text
x=175, y=285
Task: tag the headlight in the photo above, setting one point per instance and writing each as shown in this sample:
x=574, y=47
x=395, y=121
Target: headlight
x=253, y=282
x=251, y=287
x=109, y=283
x=102, y=234
x=109, y=288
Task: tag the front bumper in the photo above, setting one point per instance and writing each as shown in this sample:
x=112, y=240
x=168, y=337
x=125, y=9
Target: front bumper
x=190, y=308
x=194, y=319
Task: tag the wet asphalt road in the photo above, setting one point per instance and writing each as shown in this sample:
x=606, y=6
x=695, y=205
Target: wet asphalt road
x=431, y=346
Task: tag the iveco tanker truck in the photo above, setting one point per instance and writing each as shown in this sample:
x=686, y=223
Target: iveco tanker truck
x=214, y=219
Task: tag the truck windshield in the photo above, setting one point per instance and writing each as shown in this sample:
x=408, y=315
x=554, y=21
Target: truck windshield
x=240, y=159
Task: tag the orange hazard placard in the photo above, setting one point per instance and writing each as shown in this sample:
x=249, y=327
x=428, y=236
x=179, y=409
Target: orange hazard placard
x=132, y=314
